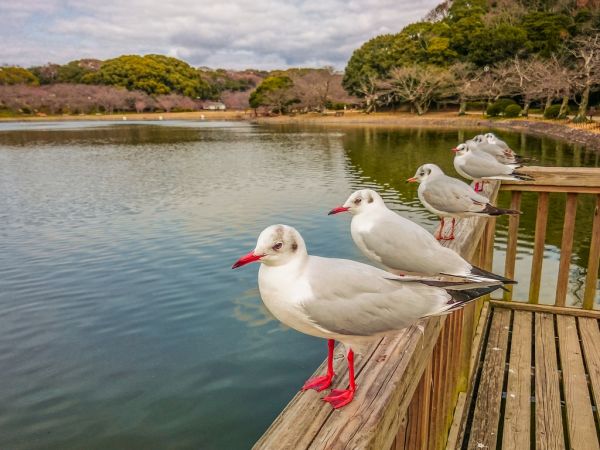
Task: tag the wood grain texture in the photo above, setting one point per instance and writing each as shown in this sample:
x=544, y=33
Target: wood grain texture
x=591, y=278
x=566, y=249
x=569, y=311
x=559, y=176
x=511, y=244
x=484, y=430
x=517, y=431
x=541, y=221
x=580, y=418
x=549, y=433
x=590, y=337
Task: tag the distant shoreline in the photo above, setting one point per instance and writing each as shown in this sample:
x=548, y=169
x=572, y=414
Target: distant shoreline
x=588, y=135
x=581, y=134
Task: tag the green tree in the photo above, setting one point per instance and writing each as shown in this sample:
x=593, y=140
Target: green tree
x=153, y=74
x=17, y=75
x=547, y=32
x=275, y=92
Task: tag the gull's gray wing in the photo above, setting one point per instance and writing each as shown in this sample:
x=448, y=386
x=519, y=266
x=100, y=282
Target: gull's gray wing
x=452, y=195
x=481, y=165
x=401, y=244
x=351, y=298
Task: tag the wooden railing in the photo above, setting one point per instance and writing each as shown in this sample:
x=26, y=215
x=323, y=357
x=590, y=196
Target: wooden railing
x=412, y=385
x=552, y=180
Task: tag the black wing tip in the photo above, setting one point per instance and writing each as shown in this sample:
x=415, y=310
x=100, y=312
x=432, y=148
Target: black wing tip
x=484, y=273
x=491, y=210
x=521, y=176
x=460, y=298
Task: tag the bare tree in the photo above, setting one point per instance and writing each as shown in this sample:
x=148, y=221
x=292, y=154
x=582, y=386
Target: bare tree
x=419, y=85
x=464, y=76
x=587, y=54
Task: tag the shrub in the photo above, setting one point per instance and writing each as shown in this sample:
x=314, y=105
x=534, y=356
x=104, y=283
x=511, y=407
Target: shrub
x=552, y=112
x=497, y=108
x=512, y=111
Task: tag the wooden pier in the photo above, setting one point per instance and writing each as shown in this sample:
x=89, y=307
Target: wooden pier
x=510, y=374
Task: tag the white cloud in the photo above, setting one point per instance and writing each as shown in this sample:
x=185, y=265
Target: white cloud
x=264, y=34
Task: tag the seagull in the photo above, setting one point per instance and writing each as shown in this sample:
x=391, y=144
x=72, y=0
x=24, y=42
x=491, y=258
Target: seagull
x=493, y=139
x=343, y=300
x=476, y=165
x=449, y=197
x=502, y=155
x=400, y=244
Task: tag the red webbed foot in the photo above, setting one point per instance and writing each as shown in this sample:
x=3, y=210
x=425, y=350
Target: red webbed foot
x=318, y=383
x=339, y=397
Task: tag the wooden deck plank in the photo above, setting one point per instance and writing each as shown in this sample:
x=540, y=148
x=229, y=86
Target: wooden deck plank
x=580, y=418
x=590, y=337
x=517, y=432
x=549, y=432
x=484, y=431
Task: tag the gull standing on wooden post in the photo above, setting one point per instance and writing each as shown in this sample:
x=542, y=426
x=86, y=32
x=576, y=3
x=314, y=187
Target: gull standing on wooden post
x=449, y=197
x=400, y=244
x=343, y=300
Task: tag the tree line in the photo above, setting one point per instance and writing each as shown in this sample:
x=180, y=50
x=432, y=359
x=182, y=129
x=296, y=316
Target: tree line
x=481, y=50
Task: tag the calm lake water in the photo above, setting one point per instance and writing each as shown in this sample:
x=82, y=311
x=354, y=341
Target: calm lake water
x=122, y=325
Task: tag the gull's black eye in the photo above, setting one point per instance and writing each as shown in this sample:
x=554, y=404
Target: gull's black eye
x=278, y=246
x=422, y=174
x=357, y=201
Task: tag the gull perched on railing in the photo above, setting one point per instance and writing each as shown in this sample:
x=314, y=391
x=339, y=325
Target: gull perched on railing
x=473, y=164
x=449, y=197
x=347, y=301
x=400, y=244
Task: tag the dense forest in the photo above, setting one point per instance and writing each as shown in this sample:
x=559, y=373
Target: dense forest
x=503, y=55
x=483, y=50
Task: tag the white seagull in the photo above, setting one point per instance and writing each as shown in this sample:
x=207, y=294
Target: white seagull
x=449, y=197
x=503, y=155
x=476, y=165
x=402, y=245
x=343, y=300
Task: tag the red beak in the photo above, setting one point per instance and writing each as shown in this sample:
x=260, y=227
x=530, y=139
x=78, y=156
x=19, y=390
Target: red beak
x=246, y=259
x=412, y=180
x=455, y=149
x=338, y=209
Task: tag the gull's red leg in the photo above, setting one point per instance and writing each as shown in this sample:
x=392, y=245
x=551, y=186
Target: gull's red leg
x=341, y=397
x=323, y=382
x=438, y=235
x=477, y=188
x=452, y=230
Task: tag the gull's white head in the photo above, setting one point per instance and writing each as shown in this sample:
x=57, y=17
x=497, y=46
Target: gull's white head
x=276, y=245
x=461, y=149
x=479, y=138
x=360, y=201
x=424, y=172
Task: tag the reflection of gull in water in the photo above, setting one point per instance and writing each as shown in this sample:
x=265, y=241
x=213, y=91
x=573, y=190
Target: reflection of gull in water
x=251, y=310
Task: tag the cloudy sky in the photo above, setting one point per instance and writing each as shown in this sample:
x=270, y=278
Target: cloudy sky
x=237, y=34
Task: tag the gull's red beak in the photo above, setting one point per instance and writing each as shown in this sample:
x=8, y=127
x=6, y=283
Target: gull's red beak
x=246, y=259
x=412, y=180
x=455, y=149
x=338, y=209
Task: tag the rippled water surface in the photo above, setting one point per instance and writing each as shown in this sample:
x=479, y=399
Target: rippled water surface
x=121, y=322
